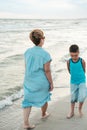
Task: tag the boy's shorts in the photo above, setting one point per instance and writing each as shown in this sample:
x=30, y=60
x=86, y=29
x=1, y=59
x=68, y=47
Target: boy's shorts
x=78, y=92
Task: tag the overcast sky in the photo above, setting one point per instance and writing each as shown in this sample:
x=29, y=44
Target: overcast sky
x=43, y=9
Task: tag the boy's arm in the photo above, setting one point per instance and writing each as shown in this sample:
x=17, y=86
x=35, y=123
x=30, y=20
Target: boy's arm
x=84, y=65
x=68, y=67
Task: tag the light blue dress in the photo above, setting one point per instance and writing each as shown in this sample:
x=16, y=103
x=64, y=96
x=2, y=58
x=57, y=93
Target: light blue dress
x=36, y=84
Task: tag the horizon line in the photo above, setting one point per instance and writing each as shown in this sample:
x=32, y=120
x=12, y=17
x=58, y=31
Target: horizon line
x=42, y=18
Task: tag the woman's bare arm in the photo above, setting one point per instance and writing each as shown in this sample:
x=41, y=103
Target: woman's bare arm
x=68, y=67
x=48, y=74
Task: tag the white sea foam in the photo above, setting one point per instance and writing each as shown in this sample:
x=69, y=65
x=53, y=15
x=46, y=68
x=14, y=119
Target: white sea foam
x=9, y=100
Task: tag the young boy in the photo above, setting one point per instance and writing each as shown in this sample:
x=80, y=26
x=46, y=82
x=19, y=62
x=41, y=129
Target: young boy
x=77, y=68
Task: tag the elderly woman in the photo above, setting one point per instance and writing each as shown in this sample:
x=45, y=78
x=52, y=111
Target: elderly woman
x=37, y=81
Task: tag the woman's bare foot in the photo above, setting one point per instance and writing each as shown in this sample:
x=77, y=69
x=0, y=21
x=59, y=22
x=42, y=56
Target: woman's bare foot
x=46, y=115
x=70, y=115
x=29, y=127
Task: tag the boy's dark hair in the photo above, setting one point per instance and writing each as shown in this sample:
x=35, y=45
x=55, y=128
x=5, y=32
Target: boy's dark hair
x=74, y=48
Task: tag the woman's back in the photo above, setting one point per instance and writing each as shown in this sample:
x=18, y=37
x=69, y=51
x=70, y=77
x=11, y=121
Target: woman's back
x=35, y=58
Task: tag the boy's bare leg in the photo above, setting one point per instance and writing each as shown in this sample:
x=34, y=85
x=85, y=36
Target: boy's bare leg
x=80, y=109
x=26, y=113
x=71, y=114
x=44, y=111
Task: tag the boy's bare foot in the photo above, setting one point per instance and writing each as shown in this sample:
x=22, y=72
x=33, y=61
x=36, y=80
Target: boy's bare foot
x=80, y=114
x=29, y=127
x=46, y=115
x=70, y=115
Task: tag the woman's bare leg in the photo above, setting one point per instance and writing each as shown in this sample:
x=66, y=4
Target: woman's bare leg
x=26, y=113
x=44, y=111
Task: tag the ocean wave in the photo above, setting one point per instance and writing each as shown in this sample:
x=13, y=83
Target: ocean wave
x=14, y=31
x=11, y=58
x=16, y=56
x=10, y=99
